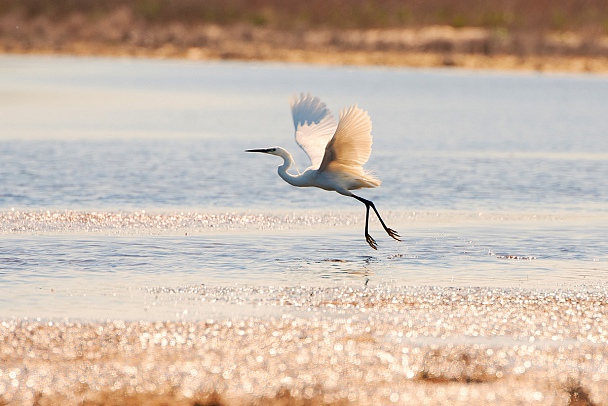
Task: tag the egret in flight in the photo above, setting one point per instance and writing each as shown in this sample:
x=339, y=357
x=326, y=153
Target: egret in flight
x=337, y=153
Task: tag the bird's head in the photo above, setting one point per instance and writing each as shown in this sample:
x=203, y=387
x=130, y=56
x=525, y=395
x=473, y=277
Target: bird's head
x=278, y=151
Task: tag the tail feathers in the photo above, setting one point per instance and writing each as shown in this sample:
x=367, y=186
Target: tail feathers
x=370, y=180
x=352, y=176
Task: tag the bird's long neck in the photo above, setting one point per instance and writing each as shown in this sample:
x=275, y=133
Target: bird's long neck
x=287, y=163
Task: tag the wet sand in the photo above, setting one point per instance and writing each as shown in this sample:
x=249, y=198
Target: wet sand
x=368, y=345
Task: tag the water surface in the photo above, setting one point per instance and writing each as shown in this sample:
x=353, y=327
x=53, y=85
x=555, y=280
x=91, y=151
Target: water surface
x=492, y=179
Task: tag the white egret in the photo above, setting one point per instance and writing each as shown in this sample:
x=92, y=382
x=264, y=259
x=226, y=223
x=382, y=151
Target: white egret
x=337, y=153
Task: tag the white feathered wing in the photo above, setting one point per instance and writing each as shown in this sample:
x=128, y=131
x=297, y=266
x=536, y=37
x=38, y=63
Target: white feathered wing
x=350, y=148
x=314, y=125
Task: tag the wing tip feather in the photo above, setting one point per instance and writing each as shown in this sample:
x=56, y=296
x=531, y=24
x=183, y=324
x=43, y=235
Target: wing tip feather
x=295, y=99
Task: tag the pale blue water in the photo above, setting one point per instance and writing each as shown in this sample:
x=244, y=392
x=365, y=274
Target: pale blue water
x=98, y=135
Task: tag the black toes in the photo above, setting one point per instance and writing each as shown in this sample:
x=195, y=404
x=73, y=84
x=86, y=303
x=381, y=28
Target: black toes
x=372, y=243
x=393, y=234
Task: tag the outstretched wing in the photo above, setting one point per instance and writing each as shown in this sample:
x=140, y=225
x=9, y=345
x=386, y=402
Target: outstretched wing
x=351, y=145
x=314, y=126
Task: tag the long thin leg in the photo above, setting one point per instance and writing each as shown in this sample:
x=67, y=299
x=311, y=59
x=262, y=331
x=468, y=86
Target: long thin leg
x=389, y=231
x=372, y=243
x=368, y=204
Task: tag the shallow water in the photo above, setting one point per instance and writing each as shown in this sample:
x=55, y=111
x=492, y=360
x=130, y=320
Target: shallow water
x=56, y=271
x=492, y=179
x=125, y=195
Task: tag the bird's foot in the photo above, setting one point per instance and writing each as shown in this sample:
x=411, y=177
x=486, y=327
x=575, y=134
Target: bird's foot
x=393, y=234
x=372, y=243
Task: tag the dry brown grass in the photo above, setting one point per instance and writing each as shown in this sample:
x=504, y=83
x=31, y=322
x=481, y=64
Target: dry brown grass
x=578, y=395
x=510, y=14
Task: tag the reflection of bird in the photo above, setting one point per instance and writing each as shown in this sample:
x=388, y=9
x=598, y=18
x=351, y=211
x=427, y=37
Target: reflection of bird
x=337, y=152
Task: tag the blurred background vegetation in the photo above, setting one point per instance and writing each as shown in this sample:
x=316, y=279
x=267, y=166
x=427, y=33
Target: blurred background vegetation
x=389, y=32
x=576, y=15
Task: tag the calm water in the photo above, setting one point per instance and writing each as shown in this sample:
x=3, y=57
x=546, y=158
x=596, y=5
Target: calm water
x=510, y=171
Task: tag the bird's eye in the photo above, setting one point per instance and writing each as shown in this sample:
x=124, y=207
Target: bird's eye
x=273, y=150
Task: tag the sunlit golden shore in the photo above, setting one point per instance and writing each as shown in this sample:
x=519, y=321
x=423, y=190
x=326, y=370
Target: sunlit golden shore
x=325, y=346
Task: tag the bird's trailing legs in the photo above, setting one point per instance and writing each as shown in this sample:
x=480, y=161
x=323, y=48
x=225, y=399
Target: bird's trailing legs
x=372, y=243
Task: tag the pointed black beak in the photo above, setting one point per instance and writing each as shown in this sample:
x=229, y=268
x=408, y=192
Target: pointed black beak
x=264, y=150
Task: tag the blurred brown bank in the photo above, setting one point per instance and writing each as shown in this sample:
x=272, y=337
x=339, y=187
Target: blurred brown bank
x=569, y=35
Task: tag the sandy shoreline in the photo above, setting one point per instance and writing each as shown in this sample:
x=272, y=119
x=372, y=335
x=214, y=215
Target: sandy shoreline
x=381, y=345
x=536, y=63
